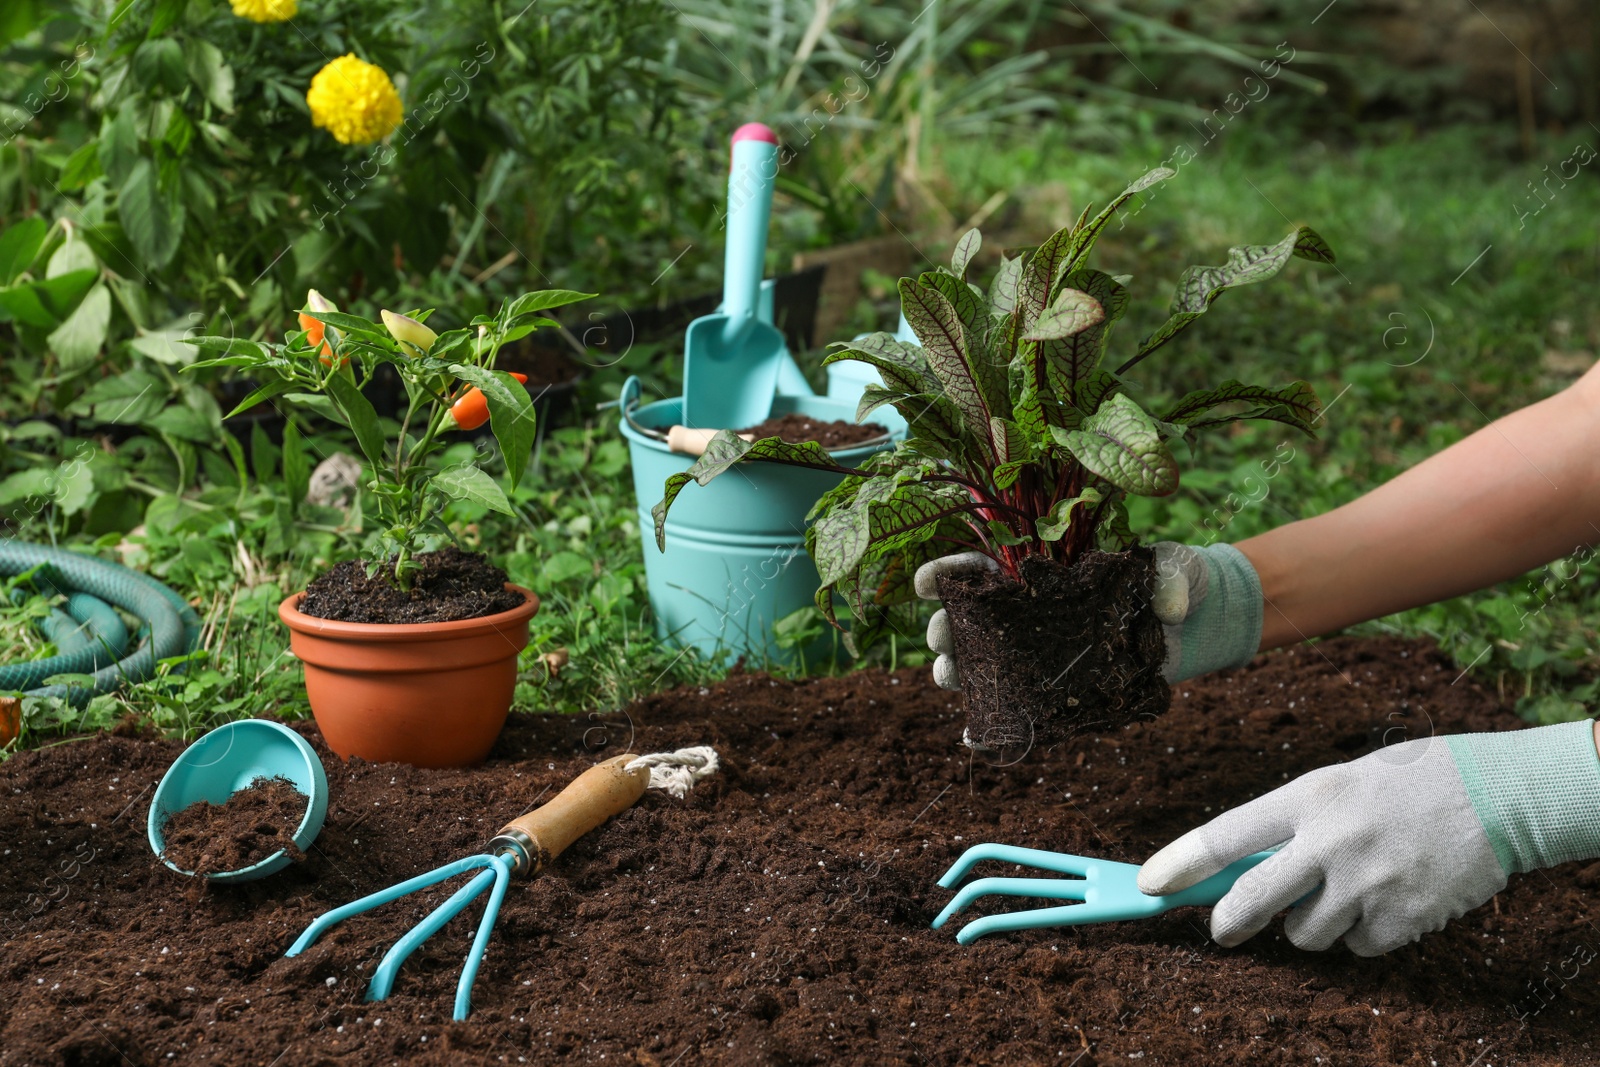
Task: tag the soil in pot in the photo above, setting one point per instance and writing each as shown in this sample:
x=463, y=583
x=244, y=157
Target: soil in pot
x=778, y=914
x=256, y=822
x=1062, y=652
x=452, y=585
x=834, y=435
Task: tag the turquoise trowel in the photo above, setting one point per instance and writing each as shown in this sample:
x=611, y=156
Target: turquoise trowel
x=731, y=359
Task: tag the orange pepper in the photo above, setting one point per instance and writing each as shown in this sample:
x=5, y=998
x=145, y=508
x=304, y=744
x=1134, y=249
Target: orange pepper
x=315, y=330
x=472, y=410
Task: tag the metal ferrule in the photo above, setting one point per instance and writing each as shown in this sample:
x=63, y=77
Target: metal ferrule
x=520, y=847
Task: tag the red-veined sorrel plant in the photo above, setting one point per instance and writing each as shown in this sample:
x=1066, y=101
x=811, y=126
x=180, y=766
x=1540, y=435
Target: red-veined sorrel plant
x=1022, y=441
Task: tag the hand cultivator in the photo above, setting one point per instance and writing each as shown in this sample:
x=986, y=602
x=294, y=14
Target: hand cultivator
x=522, y=849
x=1109, y=891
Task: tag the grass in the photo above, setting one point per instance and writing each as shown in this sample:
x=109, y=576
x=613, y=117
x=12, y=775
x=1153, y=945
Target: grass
x=1444, y=312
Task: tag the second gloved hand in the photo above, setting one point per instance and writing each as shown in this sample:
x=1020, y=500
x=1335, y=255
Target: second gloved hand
x=1208, y=600
x=1388, y=847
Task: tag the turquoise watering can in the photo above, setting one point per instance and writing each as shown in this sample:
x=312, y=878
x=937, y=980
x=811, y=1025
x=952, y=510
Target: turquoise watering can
x=229, y=759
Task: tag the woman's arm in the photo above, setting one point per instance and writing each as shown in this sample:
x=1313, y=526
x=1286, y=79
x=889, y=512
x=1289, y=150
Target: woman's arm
x=1520, y=492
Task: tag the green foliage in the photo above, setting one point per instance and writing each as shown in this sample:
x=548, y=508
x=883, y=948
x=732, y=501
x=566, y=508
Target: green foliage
x=1020, y=441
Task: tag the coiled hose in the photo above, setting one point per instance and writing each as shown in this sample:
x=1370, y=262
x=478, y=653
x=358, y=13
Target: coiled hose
x=170, y=626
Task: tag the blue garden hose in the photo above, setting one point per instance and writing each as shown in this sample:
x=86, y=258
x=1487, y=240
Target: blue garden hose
x=93, y=586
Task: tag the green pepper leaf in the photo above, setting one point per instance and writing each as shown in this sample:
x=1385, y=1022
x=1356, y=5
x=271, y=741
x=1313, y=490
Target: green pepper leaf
x=262, y=393
x=544, y=300
x=467, y=482
x=359, y=414
x=511, y=415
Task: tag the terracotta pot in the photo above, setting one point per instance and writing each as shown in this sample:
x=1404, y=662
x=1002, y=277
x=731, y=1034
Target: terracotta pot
x=429, y=694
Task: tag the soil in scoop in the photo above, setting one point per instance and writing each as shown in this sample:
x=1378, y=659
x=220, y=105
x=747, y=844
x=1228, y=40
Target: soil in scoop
x=249, y=826
x=451, y=585
x=1064, y=651
x=797, y=429
x=779, y=914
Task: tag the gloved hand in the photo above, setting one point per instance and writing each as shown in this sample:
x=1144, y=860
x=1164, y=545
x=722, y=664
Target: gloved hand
x=1208, y=600
x=1399, y=842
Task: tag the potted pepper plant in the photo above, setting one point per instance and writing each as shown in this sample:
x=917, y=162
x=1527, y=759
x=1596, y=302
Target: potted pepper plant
x=410, y=654
x=1023, y=445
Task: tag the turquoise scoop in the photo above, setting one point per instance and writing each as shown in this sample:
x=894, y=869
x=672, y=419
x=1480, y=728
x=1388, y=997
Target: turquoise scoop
x=227, y=760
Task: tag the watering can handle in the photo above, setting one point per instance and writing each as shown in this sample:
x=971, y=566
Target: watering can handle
x=604, y=790
x=751, y=175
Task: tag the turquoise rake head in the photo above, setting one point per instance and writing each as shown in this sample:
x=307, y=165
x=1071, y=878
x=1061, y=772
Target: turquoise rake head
x=497, y=874
x=1108, y=890
x=522, y=847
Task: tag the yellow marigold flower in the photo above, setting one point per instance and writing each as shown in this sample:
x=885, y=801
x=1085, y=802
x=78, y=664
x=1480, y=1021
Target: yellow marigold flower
x=354, y=100
x=265, y=10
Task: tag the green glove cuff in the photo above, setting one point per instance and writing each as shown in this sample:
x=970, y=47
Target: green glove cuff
x=1225, y=630
x=1537, y=792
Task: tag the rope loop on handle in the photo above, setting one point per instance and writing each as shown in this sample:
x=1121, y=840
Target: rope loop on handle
x=677, y=772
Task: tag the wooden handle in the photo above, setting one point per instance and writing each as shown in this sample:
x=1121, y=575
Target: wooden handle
x=604, y=790
x=691, y=442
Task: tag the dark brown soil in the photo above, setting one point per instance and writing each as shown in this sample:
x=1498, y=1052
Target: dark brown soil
x=452, y=585
x=779, y=914
x=544, y=364
x=1060, y=653
x=251, y=825
x=797, y=429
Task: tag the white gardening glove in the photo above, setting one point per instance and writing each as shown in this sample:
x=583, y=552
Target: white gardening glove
x=926, y=581
x=1208, y=600
x=1397, y=843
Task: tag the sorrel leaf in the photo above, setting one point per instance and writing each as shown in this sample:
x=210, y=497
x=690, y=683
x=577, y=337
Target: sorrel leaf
x=1084, y=236
x=1295, y=404
x=1199, y=286
x=728, y=448
x=1123, y=445
x=944, y=342
x=1053, y=526
x=965, y=249
x=1072, y=312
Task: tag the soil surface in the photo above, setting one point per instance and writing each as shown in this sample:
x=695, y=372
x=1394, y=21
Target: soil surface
x=249, y=826
x=797, y=429
x=451, y=585
x=778, y=915
x=1060, y=653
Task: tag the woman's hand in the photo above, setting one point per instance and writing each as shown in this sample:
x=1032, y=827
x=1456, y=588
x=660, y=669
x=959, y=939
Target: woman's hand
x=1386, y=848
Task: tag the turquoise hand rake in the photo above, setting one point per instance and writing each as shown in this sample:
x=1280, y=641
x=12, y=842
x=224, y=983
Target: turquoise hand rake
x=522, y=848
x=1109, y=891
